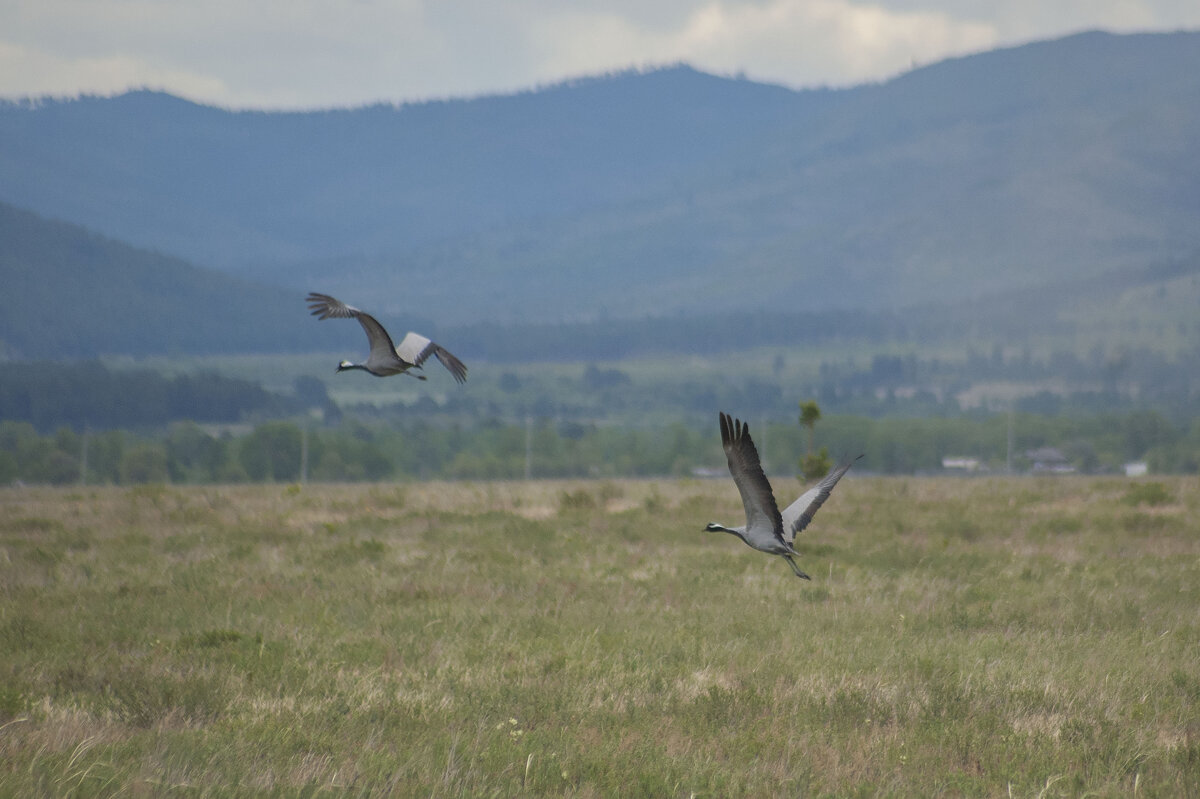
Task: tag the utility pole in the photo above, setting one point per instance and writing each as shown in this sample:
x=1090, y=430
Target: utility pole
x=83, y=453
x=304, y=455
x=528, y=447
x=1008, y=455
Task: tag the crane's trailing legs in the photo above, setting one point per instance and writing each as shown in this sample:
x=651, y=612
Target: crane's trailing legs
x=795, y=568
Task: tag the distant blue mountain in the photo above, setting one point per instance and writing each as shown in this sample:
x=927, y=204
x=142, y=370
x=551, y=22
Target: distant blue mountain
x=652, y=192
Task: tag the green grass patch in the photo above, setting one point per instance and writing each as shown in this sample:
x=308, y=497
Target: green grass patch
x=1152, y=494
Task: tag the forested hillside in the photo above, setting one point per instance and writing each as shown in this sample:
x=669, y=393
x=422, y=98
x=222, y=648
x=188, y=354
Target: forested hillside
x=84, y=295
x=71, y=293
x=87, y=395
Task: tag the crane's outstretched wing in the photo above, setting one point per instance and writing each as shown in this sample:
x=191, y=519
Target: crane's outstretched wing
x=763, y=521
x=415, y=349
x=797, y=515
x=323, y=306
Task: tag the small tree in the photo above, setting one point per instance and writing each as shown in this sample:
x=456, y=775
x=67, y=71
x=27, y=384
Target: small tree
x=814, y=465
x=144, y=463
x=272, y=451
x=810, y=413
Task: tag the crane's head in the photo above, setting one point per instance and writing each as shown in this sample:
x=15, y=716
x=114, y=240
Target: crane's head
x=713, y=527
x=344, y=365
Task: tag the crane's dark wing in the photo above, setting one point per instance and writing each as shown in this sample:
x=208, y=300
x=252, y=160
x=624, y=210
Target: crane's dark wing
x=416, y=349
x=797, y=515
x=323, y=306
x=763, y=522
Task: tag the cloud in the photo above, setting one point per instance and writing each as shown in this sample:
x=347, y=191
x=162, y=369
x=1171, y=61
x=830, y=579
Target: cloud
x=29, y=72
x=797, y=42
x=312, y=53
x=276, y=53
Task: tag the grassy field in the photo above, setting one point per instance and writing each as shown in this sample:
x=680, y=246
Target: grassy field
x=998, y=637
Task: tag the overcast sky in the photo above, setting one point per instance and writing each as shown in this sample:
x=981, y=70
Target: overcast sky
x=326, y=53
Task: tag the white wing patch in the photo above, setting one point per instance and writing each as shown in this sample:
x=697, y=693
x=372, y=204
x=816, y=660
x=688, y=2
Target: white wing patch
x=415, y=348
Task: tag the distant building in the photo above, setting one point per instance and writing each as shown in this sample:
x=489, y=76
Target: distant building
x=960, y=463
x=1136, y=469
x=1049, y=460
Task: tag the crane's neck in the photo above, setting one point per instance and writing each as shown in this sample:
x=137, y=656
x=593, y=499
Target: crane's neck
x=713, y=527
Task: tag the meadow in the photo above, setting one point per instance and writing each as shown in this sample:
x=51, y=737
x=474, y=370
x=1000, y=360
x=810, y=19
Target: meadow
x=984, y=637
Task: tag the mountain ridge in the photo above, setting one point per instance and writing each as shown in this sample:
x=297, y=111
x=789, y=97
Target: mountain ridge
x=662, y=191
x=85, y=295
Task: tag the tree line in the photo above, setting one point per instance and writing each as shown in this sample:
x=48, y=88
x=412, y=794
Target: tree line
x=287, y=451
x=87, y=394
